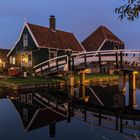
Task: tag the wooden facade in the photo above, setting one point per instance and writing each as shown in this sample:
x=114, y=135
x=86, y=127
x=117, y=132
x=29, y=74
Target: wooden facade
x=3, y=57
x=37, y=44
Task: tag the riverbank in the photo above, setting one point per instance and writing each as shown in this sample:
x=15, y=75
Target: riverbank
x=33, y=83
x=28, y=84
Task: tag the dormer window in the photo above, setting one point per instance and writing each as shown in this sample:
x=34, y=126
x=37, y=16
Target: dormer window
x=25, y=40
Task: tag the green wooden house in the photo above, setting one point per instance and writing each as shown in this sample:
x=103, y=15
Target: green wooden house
x=3, y=58
x=37, y=44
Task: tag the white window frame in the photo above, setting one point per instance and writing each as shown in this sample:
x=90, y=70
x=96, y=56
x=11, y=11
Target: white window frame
x=25, y=40
x=29, y=62
x=12, y=60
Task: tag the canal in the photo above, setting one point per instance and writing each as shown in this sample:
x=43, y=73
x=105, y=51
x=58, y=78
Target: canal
x=44, y=114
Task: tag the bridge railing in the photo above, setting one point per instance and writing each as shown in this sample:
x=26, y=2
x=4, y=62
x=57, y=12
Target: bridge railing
x=95, y=56
x=120, y=57
x=52, y=64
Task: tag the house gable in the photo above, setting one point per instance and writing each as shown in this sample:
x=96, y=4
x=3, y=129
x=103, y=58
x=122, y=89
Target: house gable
x=102, y=39
x=19, y=47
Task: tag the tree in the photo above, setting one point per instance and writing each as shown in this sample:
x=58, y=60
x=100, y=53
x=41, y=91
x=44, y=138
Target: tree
x=129, y=10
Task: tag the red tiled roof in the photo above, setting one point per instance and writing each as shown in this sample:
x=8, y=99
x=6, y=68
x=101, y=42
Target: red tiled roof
x=94, y=41
x=46, y=37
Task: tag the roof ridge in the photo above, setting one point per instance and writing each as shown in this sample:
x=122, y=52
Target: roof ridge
x=49, y=28
x=103, y=31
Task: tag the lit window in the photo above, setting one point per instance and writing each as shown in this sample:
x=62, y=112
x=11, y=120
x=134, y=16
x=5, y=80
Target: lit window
x=12, y=60
x=25, y=40
x=1, y=63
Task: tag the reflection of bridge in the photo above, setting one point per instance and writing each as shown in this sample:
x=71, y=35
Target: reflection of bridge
x=121, y=59
x=126, y=61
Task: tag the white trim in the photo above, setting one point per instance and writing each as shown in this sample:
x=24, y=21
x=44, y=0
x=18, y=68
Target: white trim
x=101, y=45
x=25, y=25
x=17, y=40
x=32, y=35
x=47, y=107
x=96, y=96
x=33, y=118
x=80, y=44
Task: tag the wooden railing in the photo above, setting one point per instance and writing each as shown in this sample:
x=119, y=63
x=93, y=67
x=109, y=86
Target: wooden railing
x=119, y=57
x=53, y=65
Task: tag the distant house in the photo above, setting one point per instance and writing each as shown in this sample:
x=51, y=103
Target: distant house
x=37, y=44
x=102, y=39
x=3, y=57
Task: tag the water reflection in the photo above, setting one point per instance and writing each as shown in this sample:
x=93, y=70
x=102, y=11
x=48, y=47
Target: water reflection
x=99, y=95
x=49, y=107
x=38, y=110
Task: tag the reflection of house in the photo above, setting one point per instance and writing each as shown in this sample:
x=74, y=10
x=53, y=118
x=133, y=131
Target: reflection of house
x=37, y=44
x=36, y=114
x=3, y=58
x=102, y=39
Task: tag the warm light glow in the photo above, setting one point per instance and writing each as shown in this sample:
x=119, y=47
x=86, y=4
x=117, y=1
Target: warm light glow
x=86, y=98
x=25, y=59
x=0, y=61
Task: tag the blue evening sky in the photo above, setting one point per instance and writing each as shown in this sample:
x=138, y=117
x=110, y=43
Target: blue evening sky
x=81, y=17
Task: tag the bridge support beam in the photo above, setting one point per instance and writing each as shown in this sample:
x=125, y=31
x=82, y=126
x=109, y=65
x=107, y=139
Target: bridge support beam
x=122, y=89
x=82, y=77
x=100, y=61
x=71, y=91
x=121, y=60
x=132, y=89
x=71, y=79
x=83, y=91
x=117, y=63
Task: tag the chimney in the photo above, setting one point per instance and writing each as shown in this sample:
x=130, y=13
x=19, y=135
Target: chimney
x=52, y=22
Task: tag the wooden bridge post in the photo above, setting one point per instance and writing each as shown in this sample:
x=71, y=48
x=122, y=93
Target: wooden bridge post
x=117, y=64
x=71, y=91
x=82, y=77
x=122, y=89
x=121, y=59
x=85, y=59
x=132, y=89
x=83, y=91
x=71, y=79
x=85, y=115
x=72, y=63
x=69, y=112
x=100, y=65
x=117, y=120
x=121, y=122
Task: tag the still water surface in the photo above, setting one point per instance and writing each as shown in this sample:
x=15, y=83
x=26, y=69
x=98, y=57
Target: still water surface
x=14, y=123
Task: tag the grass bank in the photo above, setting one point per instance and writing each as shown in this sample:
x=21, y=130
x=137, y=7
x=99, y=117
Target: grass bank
x=42, y=80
